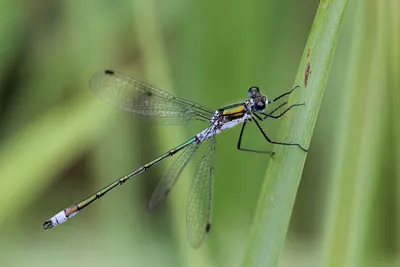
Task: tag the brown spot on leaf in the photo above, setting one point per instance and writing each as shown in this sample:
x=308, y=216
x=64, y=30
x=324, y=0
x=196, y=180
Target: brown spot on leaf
x=307, y=73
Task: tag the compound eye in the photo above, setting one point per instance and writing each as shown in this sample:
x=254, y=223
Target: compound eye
x=253, y=92
x=259, y=106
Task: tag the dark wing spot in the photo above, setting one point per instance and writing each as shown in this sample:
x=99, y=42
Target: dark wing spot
x=149, y=93
x=208, y=226
x=110, y=72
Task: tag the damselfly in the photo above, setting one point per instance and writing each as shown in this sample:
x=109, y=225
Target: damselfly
x=140, y=98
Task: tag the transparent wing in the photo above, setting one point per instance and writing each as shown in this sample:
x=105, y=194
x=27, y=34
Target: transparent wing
x=170, y=178
x=140, y=98
x=199, y=206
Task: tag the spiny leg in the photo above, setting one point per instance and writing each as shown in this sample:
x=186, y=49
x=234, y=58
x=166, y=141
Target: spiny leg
x=268, y=115
x=250, y=150
x=285, y=94
x=274, y=142
x=277, y=108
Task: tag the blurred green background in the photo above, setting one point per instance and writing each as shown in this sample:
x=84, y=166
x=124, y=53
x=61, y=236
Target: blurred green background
x=59, y=143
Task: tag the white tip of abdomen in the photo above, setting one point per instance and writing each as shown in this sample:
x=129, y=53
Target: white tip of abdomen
x=59, y=218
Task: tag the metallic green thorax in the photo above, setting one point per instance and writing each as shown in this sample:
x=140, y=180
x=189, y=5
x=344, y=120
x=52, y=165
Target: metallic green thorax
x=233, y=112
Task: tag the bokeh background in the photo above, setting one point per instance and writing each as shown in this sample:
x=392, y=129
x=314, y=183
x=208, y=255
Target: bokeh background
x=59, y=143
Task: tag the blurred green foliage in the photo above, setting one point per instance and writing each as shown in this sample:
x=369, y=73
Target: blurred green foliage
x=59, y=143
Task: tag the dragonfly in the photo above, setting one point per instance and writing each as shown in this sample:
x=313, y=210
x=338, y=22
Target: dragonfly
x=140, y=98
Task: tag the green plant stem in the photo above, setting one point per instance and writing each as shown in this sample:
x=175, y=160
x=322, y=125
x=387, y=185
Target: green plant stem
x=395, y=96
x=347, y=145
x=356, y=173
x=283, y=175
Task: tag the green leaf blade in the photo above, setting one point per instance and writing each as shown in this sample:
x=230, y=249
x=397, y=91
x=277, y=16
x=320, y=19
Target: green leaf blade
x=284, y=172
